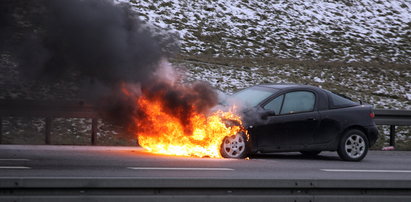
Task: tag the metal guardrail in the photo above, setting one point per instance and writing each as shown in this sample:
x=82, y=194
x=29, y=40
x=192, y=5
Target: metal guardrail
x=201, y=189
x=392, y=118
x=49, y=110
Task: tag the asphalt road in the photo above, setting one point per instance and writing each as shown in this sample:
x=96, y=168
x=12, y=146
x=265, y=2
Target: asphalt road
x=134, y=162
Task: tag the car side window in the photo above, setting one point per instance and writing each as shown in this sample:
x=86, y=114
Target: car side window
x=338, y=101
x=275, y=104
x=299, y=101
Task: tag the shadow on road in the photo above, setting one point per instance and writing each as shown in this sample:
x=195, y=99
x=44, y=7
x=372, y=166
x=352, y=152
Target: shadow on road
x=293, y=155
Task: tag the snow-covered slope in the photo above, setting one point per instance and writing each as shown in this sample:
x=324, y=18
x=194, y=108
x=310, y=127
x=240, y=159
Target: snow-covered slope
x=367, y=34
x=347, y=30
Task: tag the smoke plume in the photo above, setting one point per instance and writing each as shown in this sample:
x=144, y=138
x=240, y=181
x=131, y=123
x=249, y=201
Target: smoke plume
x=98, y=39
x=104, y=46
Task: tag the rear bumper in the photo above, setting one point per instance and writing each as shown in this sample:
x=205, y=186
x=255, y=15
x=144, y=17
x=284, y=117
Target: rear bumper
x=372, y=134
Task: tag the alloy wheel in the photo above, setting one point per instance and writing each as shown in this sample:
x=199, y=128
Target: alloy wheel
x=355, y=146
x=234, y=146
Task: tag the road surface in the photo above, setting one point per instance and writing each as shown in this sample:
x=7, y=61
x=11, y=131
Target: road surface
x=99, y=173
x=102, y=161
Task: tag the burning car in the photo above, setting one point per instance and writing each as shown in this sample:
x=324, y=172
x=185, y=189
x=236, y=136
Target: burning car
x=308, y=119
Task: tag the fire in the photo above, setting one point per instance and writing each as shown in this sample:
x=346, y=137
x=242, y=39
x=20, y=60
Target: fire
x=201, y=135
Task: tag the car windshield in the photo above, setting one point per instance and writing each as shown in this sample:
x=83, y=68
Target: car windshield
x=251, y=96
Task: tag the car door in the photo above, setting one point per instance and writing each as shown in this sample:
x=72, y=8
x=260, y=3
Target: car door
x=270, y=128
x=295, y=123
x=301, y=118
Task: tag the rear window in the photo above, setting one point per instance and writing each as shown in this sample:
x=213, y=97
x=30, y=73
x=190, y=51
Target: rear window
x=338, y=101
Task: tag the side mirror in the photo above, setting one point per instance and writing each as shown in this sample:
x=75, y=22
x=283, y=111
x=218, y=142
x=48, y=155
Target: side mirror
x=267, y=113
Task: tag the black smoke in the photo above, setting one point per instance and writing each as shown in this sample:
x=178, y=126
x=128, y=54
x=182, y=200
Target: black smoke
x=105, y=48
x=100, y=43
x=96, y=38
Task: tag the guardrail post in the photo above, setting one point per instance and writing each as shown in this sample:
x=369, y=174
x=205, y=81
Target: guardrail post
x=392, y=135
x=48, y=130
x=93, y=131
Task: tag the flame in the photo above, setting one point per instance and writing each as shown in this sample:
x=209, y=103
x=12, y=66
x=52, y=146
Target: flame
x=162, y=132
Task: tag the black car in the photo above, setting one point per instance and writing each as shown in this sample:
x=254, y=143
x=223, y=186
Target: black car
x=308, y=119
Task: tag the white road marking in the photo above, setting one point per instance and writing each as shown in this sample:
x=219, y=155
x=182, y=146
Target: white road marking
x=70, y=148
x=14, y=167
x=165, y=168
x=14, y=159
x=367, y=171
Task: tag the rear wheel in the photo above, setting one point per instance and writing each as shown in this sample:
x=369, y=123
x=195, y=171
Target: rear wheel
x=353, y=146
x=310, y=153
x=235, y=146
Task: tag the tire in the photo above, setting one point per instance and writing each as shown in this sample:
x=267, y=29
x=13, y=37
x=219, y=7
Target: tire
x=353, y=146
x=310, y=153
x=235, y=146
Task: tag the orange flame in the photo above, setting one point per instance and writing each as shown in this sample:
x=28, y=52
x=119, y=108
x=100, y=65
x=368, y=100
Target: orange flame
x=162, y=133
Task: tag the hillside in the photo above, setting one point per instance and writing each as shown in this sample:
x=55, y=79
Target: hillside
x=361, y=48
x=343, y=30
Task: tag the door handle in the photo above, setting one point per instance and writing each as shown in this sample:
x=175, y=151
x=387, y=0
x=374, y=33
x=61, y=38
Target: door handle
x=311, y=119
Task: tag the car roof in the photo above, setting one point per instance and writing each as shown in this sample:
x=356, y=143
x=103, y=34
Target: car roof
x=285, y=85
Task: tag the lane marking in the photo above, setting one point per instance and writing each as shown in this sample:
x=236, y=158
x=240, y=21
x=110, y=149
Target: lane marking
x=93, y=178
x=165, y=168
x=367, y=171
x=14, y=167
x=70, y=148
x=14, y=159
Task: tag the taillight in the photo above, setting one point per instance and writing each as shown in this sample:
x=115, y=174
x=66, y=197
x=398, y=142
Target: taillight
x=372, y=115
